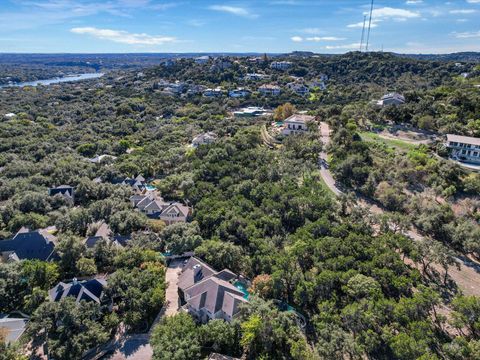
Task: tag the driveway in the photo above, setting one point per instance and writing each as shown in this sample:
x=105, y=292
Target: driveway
x=323, y=163
x=171, y=296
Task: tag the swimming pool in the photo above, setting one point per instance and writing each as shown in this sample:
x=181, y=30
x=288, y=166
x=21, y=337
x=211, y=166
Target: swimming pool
x=240, y=286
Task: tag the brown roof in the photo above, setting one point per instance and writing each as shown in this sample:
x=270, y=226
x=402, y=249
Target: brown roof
x=463, y=139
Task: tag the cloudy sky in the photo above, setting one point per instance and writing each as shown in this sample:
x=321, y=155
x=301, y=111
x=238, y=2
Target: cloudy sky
x=324, y=26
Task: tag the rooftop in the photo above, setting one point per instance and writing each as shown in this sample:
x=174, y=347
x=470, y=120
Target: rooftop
x=463, y=139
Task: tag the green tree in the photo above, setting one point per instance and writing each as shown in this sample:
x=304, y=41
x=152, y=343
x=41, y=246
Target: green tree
x=176, y=338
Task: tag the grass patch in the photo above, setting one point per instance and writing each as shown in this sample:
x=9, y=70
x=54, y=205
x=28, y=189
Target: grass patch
x=398, y=144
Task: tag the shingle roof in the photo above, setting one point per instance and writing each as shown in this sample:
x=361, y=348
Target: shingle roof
x=89, y=290
x=187, y=277
x=210, y=294
x=29, y=245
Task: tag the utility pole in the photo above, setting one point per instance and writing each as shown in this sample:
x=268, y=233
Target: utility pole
x=363, y=31
x=369, y=25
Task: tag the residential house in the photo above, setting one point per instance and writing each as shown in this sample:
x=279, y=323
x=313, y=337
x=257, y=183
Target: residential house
x=298, y=88
x=208, y=294
x=105, y=233
x=217, y=92
x=28, y=245
x=281, y=65
x=255, y=76
x=138, y=184
x=10, y=115
x=204, y=139
x=391, y=99
x=297, y=124
x=317, y=84
x=464, y=148
x=270, y=90
x=202, y=60
x=66, y=191
x=251, y=111
x=239, y=93
x=155, y=207
x=87, y=290
x=13, y=326
x=99, y=158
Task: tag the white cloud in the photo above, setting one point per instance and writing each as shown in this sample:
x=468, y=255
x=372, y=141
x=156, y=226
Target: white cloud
x=473, y=1
x=467, y=35
x=316, y=38
x=324, y=38
x=414, y=2
x=346, y=46
x=394, y=13
x=463, y=11
x=234, y=10
x=124, y=37
x=360, y=25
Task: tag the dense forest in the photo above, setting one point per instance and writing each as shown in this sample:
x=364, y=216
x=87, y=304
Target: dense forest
x=329, y=278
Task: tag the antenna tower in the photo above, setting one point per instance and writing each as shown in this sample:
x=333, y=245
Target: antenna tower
x=369, y=25
x=363, y=31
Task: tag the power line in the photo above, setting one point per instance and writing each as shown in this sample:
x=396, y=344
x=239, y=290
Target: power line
x=363, y=31
x=369, y=25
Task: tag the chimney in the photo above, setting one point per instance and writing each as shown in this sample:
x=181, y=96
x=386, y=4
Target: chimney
x=196, y=269
x=74, y=281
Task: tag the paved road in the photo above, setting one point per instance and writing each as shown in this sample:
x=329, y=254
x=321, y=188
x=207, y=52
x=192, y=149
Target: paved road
x=324, y=171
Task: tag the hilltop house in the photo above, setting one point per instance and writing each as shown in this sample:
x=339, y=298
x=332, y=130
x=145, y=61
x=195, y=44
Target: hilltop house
x=281, y=65
x=88, y=290
x=464, y=148
x=217, y=92
x=298, y=88
x=239, y=93
x=391, y=99
x=138, y=184
x=204, y=139
x=66, y=191
x=296, y=124
x=155, y=207
x=208, y=294
x=221, y=64
x=99, y=158
x=28, y=245
x=270, y=90
x=255, y=76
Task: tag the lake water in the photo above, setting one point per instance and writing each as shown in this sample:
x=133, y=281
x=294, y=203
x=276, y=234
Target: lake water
x=46, y=82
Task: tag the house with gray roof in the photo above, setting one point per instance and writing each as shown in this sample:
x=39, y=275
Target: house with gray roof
x=208, y=294
x=156, y=208
x=66, y=191
x=28, y=245
x=14, y=327
x=88, y=290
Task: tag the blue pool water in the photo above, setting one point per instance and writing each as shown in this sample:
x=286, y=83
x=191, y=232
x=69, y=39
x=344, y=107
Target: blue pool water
x=150, y=187
x=240, y=286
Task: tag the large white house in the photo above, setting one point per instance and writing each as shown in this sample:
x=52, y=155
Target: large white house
x=281, y=65
x=296, y=124
x=270, y=90
x=239, y=93
x=464, y=148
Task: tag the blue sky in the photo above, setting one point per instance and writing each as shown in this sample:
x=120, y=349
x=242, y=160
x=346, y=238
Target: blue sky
x=324, y=26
